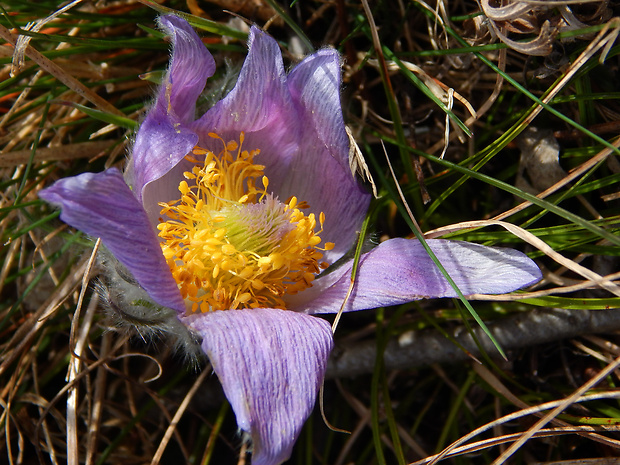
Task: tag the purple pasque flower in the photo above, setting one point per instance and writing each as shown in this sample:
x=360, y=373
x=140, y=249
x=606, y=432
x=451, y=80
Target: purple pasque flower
x=224, y=223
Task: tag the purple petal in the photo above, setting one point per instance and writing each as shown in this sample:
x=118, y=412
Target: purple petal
x=158, y=149
x=320, y=174
x=259, y=106
x=314, y=85
x=102, y=205
x=271, y=364
x=163, y=139
x=317, y=177
x=297, y=124
x=190, y=66
x=399, y=271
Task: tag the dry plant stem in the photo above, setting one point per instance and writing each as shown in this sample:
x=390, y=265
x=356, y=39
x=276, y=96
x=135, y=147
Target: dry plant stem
x=94, y=421
x=556, y=411
x=429, y=347
x=577, y=172
x=61, y=152
x=536, y=410
x=72, y=394
x=76, y=355
x=64, y=77
x=508, y=438
x=599, y=42
x=587, y=432
x=178, y=414
x=22, y=338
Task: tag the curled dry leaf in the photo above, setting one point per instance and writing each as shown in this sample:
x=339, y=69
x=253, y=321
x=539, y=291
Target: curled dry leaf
x=542, y=19
x=507, y=12
x=520, y=17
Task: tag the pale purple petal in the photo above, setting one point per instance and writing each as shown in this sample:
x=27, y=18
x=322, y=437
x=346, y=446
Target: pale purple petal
x=163, y=139
x=399, y=271
x=320, y=173
x=297, y=123
x=190, y=66
x=102, y=205
x=259, y=105
x=316, y=177
x=271, y=364
x=314, y=85
x=158, y=149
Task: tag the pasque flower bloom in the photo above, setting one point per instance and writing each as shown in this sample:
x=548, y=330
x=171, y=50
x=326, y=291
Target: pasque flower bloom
x=222, y=225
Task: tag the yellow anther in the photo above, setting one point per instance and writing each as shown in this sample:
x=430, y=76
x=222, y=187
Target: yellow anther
x=258, y=285
x=227, y=265
x=228, y=249
x=230, y=244
x=183, y=187
x=242, y=298
x=277, y=260
x=246, y=272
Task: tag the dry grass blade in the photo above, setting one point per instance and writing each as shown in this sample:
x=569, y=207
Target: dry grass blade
x=574, y=174
x=63, y=152
x=478, y=446
x=178, y=414
x=22, y=41
x=63, y=76
x=557, y=407
x=94, y=421
x=76, y=356
x=561, y=407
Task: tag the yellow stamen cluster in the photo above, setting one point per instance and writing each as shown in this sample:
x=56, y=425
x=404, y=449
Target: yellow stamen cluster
x=230, y=245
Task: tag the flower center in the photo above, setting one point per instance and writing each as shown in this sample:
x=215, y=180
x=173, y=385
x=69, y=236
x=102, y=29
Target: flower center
x=231, y=245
